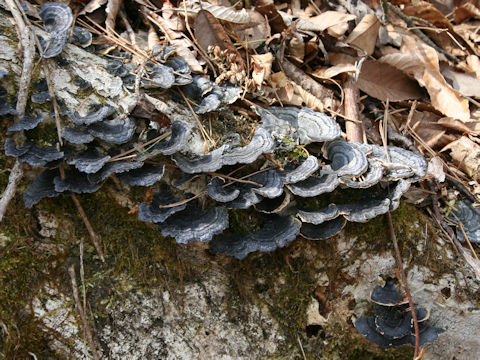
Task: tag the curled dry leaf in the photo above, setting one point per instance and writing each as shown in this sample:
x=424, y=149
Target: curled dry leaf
x=335, y=22
x=220, y=12
x=328, y=72
x=113, y=6
x=255, y=32
x=209, y=32
x=465, y=84
x=364, y=36
x=92, y=6
x=262, y=68
x=465, y=12
x=421, y=61
x=466, y=154
x=383, y=81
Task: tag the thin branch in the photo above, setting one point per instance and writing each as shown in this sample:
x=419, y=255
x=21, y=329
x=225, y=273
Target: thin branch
x=354, y=129
x=81, y=311
x=16, y=174
x=89, y=227
x=405, y=283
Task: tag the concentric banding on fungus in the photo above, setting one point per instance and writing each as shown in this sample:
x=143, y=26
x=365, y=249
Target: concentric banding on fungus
x=345, y=159
x=76, y=182
x=147, y=175
x=12, y=149
x=26, y=123
x=41, y=156
x=207, y=163
x=271, y=181
x=470, y=219
x=156, y=214
x=261, y=143
x=114, y=167
x=81, y=36
x=77, y=135
x=388, y=294
x=41, y=187
x=273, y=206
x=370, y=177
x=218, y=193
x=160, y=76
x=117, y=131
x=89, y=162
x=302, y=172
x=314, y=185
x=317, y=217
x=93, y=117
x=57, y=19
x=401, y=163
x=365, y=210
x=276, y=233
x=195, y=224
x=324, y=230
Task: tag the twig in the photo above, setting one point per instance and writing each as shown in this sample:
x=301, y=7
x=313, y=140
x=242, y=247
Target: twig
x=405, y=283
x=131, y=33
x=26, y=37
x=354, y=129
x=48, y=77
x=409, y=21
x=15, y=176
x=81, y=311
x=141, y=146
x=89, y=227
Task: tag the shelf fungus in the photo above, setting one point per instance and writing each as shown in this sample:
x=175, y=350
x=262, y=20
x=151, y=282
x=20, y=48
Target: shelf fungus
x=117, y=131
x=193, y=224
x=93, y=117
x=261, y=143
x=469, y=217
x=346, y=160
x=301, y=172
x=323, y=181
x=154, y=212
x=276, y=233
x=392, y=323
x=218, y=192
x=114, y=167
x=37, y=155
x=324, y=230
x=177, y=141
x=81, y=36
x=41, y=187
x=400, y=163
x=76, y=182
x=275, y=205
x=26, y=123
x=303, y=125
x=89, y=162
x=147, y=175
x=57, y=19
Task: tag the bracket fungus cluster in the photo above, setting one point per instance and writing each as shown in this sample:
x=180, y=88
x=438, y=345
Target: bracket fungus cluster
x=312, y=194
x=468, y=218
x=392, y=323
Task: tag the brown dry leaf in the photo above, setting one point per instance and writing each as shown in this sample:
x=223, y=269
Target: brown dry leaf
x=335, y=22
x=209, y=32
x=92, y=6
x=220, y=12
x=465, y=12
x=474, y=64
x=309, y=99
x=469, y=127
x=113, y=6
x=255, y=32
x=425, y=124
x=274, y=18
x=382, y=81
x=365, y=34
x=262, y=68
x=182, y=44
x=466, y=154
x=328, y=72
x=282, y=89
x=430, y=13
x=465, y=84
x=421, y=61
x=296, y=47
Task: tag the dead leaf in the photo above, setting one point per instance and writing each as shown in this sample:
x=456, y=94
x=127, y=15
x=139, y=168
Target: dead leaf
x=296, y=47
x=435, y=168
x=309, y=99
x=274, y=18
x=421, y=61
x=92, y=6
x=335, y=22
x=382, y=81
x=469, y=127
x=209, y=32
x=183, y=45
x=465, y=84
x=255, y=32
x=425, y=124
x=466, y=154
x=465, y=12
x=328, y=72
x=262, y=68
x=365, y=34
x=474, y=64
x=113, y=6
x=220, y=12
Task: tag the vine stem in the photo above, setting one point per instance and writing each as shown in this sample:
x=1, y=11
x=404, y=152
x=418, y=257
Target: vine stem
x=405, y=284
